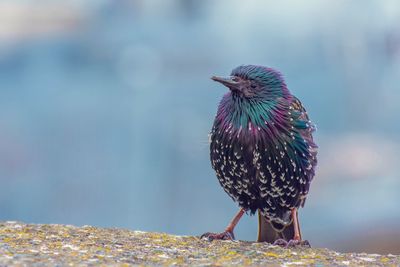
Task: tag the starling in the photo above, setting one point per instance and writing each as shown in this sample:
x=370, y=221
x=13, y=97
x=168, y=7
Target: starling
x=263, y=153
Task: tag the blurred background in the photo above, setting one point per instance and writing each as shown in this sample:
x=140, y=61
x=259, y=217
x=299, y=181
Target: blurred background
x=105, y=107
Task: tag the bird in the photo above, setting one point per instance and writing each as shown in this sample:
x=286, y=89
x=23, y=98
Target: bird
x=263, y=153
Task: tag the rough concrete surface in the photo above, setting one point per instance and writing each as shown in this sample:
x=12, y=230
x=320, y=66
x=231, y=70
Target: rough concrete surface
x=44, y=244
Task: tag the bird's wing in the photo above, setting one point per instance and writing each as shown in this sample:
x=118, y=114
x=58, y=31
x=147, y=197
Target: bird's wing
x=306, y=149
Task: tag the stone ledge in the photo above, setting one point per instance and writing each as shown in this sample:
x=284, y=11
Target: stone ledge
x=50, y=244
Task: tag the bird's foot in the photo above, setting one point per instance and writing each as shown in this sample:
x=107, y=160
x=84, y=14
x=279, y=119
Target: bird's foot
x=293, y=243
x=226, y=235
x=280, y=242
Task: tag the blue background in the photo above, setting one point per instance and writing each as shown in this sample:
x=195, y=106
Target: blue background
x=105, y=108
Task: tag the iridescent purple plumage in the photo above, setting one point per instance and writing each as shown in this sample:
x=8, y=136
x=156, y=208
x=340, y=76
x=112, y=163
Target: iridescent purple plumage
x=262, y=147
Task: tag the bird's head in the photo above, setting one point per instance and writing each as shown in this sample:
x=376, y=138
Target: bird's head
x=254, y=82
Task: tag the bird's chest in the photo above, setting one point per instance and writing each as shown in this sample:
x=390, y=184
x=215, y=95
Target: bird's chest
x=233, y=158
x=244, y=160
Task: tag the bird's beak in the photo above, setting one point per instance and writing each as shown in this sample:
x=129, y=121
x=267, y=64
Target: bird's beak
x=227, y=81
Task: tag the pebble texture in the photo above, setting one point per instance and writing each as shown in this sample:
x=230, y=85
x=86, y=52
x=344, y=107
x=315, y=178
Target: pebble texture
x=44, y=244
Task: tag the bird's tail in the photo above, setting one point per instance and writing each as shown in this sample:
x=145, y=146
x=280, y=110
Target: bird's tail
x=271, y=231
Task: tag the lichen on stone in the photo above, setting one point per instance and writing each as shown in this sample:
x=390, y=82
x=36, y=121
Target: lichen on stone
x=43, y=244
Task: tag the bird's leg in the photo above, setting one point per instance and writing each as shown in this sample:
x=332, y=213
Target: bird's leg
x=296, y=226
x=296, y=241
x=228, y=233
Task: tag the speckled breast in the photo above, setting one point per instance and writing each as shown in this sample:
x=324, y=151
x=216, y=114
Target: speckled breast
x=259, y=173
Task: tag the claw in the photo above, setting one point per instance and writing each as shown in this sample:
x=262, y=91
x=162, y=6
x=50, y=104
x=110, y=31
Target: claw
x=293, y=243
x=218, y=236
x=305, y=243
x=281, y=242
x=298, y=243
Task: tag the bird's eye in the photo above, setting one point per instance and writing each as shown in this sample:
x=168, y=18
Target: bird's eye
x=253, y=86
x=235, y=78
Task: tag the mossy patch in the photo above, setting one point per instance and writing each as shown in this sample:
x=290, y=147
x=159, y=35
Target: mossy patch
x=36, y=244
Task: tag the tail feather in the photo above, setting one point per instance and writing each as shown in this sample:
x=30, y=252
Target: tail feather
x=270, y=231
